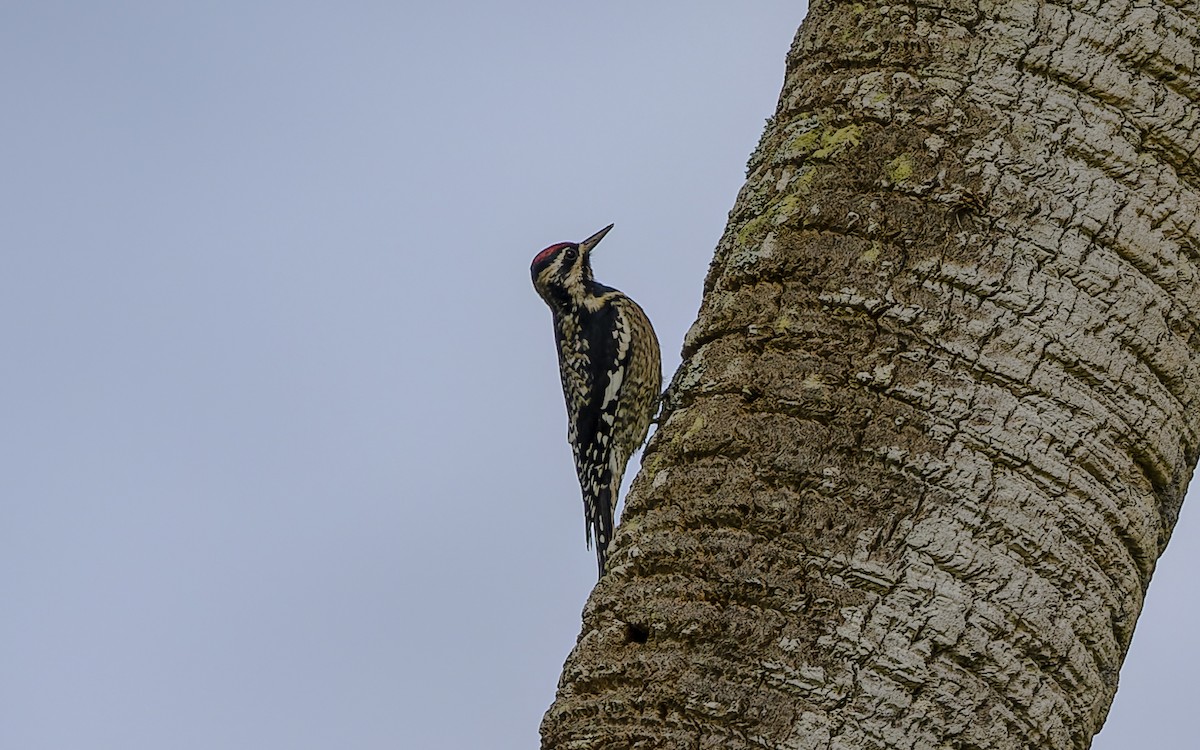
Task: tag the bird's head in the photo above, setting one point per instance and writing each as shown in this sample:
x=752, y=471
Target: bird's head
x=562, y=272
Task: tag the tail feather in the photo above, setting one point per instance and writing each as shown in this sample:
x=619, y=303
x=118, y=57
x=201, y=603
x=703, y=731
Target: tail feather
x=599, y=506
x=602, y=521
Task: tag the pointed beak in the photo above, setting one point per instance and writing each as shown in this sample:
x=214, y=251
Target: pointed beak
x=586, y=246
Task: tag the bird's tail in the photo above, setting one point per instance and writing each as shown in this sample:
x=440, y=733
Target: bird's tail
x=603, y=519
x=603, y=523
x=599, y=508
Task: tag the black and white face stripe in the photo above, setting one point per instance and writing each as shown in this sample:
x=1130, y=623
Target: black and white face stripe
x=560, y=273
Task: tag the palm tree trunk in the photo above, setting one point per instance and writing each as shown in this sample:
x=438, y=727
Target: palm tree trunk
x=937, y=414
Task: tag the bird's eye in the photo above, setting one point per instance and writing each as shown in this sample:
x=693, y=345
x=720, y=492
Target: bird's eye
x=570, y=253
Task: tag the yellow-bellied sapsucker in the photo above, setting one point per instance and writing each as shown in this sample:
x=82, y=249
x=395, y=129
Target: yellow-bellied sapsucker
x=610, y=366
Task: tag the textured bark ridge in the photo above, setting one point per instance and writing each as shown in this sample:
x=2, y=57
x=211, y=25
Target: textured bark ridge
x=939, y=409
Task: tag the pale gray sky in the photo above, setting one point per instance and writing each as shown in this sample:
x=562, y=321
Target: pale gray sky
x=284, y=459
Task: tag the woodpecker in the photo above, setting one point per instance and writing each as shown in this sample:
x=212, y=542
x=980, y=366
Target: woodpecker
x=610, y=365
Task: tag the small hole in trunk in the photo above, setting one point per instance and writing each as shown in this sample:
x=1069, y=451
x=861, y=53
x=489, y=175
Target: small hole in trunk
x=636, y=633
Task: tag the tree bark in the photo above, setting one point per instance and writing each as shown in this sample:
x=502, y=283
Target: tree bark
x=938, y=412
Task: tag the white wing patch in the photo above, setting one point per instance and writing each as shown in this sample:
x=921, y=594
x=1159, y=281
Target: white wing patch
x=617, y=377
